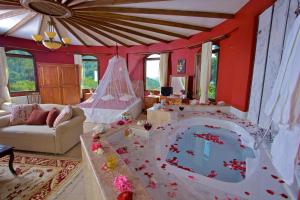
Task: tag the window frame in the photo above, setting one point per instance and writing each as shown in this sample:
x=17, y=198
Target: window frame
x=145, y=70
x=23, y=93
x=98, y=69
x=216, y=51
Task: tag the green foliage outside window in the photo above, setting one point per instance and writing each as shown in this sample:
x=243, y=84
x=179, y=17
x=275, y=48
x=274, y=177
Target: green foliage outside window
x=21, y=76
x=152, y=84
x=214, y=74
x=152, y=72
x=90, y=72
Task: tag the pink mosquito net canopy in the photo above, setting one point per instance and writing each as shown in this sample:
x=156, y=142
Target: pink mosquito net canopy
x=113, y=96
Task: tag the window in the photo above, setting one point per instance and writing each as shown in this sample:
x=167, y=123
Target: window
x=214, y=72
x=21, y=71
x=89, y=72
x=152, y=72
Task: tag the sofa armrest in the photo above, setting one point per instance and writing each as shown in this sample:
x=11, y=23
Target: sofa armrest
x=67, y=134
x=7, y=106
x=4, y=121
x=70, y=124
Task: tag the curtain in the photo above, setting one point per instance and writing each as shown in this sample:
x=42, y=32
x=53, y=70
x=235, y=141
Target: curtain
x=78, y=61
x=4, y=93
x=205, y=73
x=196, y=93
x=163, y=69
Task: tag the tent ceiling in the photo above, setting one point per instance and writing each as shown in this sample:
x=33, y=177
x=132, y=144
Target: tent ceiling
x=107, y=22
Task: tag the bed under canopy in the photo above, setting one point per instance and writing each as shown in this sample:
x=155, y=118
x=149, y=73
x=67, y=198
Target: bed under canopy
x=114, y=95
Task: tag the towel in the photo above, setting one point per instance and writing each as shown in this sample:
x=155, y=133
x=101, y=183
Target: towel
x=284, y=152
x=284, y=107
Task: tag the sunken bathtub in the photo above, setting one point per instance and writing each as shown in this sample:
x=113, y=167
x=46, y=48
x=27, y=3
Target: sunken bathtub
x=204, y=155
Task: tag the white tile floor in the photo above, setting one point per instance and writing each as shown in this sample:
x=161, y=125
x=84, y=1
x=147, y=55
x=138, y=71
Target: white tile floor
x=75, y=190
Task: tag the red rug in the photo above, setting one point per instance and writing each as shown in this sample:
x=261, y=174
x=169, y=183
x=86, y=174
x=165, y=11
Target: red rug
x=39, y=177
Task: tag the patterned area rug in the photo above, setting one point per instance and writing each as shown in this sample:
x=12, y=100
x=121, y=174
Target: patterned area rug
x=39, y=177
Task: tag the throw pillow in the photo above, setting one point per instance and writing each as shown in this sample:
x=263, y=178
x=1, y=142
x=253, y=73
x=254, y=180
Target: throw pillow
x=126, y=97
x=53, y=113
x=107, y=97
x=37, y=117
x=64, y=115
x=20, y=113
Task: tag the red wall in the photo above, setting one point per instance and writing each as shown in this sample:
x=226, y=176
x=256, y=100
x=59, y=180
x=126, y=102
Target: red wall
x=235, y=64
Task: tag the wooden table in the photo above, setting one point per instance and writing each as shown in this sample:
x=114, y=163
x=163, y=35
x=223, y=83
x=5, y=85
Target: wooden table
x=5, y=151
x=150, y=100
x=86, y=95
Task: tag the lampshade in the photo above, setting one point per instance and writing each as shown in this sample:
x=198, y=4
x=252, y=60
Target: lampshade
x=66, y=40
x=50, y=35
x=51, y=44
x=37, y=37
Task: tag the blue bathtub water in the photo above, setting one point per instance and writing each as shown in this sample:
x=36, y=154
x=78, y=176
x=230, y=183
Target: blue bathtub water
x=210, y=151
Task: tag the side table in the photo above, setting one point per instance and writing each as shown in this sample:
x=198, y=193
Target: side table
x=7, y=150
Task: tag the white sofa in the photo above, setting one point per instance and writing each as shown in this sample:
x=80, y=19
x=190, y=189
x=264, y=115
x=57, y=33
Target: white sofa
x=42, y=138
x=4, y=108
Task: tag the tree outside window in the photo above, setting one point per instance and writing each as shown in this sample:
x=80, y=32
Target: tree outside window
x=152, y=72
x=89, y=72
x=21, y=71
x=214, y=72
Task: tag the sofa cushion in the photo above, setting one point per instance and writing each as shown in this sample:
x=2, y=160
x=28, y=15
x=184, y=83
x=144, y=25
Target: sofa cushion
x=4, y=112
x=65, y=115
x=37, y=117
x=29, y=137
x=53, y=113
x=26, y=130
x=20, y=113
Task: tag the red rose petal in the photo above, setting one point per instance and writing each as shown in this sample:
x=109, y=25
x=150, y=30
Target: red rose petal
x=275, y=177
x=247, y=193
x=284, y=196
x=281, y=181
x=270, y=192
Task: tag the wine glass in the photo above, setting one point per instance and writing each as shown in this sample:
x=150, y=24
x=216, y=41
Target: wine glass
x=181, y=108
x=147, y=126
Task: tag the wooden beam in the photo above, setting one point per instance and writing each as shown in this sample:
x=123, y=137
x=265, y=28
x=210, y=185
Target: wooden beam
x=8, y=2
x=12, y=13
x=116, y=27
x=87, y=33
x=87, y=4
x=149, y=21
x=72, y=31
x=134, y=25
x=157, y=12
x=67, y=2
x=103, y=28
x=21, y=23
x=10, y=7
x=106, y=35
x=40, y=25
x=57, y=30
